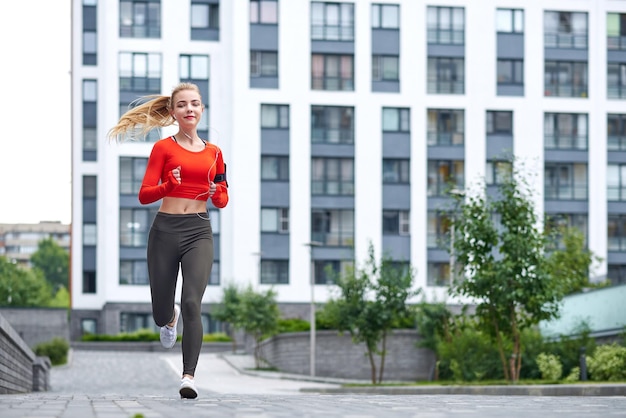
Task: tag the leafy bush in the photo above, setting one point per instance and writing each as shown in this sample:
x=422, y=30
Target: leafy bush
x=293, y=325
x=550, y=366
x=574, y=375
x=55, y=349
x=146, y=335
x=216, y=337
x=608, y=363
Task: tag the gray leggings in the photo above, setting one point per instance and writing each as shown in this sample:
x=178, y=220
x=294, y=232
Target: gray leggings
x=185, y=240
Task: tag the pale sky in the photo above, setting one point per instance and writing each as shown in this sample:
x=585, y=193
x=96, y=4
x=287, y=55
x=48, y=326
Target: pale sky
x=35, y=150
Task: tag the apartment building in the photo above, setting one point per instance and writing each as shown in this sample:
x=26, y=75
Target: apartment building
x=344, y=123
x=19, y=241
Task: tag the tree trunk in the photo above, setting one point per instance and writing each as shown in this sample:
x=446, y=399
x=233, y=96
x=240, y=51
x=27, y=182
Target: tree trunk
x=382, y=358
x=505, y=367
x=370, y=354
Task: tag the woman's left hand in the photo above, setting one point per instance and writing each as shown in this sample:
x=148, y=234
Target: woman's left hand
x=212, y=188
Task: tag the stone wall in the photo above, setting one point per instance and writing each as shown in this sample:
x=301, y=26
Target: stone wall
x=338, y=357
x=20, y=370
x=38, y=325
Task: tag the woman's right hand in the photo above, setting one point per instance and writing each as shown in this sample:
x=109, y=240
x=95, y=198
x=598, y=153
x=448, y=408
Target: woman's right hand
x=176, y=174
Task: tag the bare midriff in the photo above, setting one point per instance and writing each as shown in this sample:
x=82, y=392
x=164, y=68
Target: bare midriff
x=180, y=206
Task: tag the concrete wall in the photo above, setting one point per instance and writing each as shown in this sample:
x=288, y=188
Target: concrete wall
x=338, y=357
x=20, y=370
x=37, y=325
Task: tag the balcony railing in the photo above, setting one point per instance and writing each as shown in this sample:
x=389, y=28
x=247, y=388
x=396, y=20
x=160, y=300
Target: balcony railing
x=565, y=40
x=575, y=142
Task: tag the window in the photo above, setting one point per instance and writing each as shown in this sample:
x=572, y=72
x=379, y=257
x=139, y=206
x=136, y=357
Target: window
x=194, y=67
x=565, y=181
x=332, y=21
x=90, y=187
x=134, y=226
x=510, y=72
x=510, y=21
x=616, y=132
x=438, y=274
x=132, y=171
x=332, y=176
x=438, y=230
x=446, y=127
x=274, y=272
x=446, y=75
x=133, y=272
x=565, y=131
x=499, y=122
x=275, y=220
x=263, y=64
x=396, y=119
x=214, y=279
x=565, y=79
x=274, y=168
x=565, y=30
x=396, y=222
x=139, y=73
x=498, y=172
x=385, y=16
x=616, y=80
x=616, y=182
x=90, y=33
x=616, y=31
x=446, y=25
x=140, y=18
x=333, y=227
x=90, y=234
x=264, y=12
x=89, y=282
x=385, y=68
x=396, y=171
x=332, y=72
x=205, y=16
x=275, y=116
x=444, y=175
x=616, y=274
x=88, y=326
x=90, y=113
x=326, y=271
x=616, y=233
x=135, y=321
x=332, y=125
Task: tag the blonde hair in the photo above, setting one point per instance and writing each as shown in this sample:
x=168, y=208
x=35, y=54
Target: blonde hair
x=153, y=113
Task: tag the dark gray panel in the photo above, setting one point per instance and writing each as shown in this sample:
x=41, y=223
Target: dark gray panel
x=557, y=54
x=616, y=258
x=566, y=206
x=205, y=34
x=511, y=45
x=616, y=207
x=132, y=253
x=616, y=56
x=454, y=51
x=264, y=82
x=89, y=258
x=89, y=211
x=275, y=193
x=446, y=153
x=439, y=203
x=616, y=157
x=332, y=47
x=573, y=156
x=275, y=141
x=386, y=86
x=90, y=155
x=216, y=247
x=263, y=37
x=396, y=196
x=90, y=18
x=330, y=253
x=396, y=145
x=397, y=247
x=90, y=114
x=437, y=256
x=275, y=246
x=385, y=42
x=332, y=150
x=499, y=146
x=510, y=90
x=332, y=202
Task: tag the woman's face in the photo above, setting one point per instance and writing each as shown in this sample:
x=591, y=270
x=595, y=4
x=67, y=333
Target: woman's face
x=187, y=108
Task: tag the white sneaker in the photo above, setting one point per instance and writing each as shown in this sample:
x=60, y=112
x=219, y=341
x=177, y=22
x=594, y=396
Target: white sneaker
x=168, y=334
x=188, y=388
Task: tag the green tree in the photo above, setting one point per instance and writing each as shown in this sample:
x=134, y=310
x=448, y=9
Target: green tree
x=372, y=300
x=22, y=287
x=258, y=316
x=229, y=310
x=53, y=261
x=507, y=273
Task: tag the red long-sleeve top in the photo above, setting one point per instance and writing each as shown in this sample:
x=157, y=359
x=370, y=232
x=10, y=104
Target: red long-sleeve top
x=196, y=169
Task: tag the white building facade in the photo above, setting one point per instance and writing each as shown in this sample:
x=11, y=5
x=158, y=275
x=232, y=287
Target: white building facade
x=344, y=123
